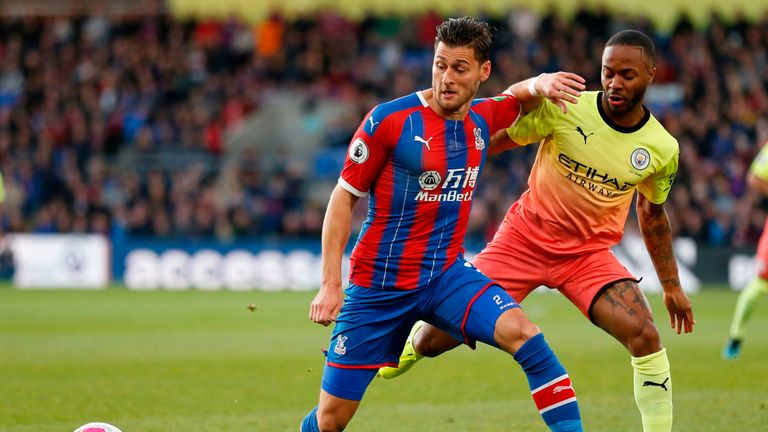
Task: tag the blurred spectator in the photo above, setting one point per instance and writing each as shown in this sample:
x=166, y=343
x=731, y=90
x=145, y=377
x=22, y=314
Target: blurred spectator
x=120, y=125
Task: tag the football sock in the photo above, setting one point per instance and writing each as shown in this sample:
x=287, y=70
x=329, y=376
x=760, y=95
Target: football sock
x=309, y=424
x=748, y=299
x=550, y=385
x=653, y=391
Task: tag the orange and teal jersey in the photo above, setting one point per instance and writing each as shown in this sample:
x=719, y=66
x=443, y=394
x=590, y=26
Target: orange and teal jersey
x=759, y=167
x=586, y=171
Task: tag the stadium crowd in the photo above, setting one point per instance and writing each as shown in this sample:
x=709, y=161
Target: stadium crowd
x=119, y=125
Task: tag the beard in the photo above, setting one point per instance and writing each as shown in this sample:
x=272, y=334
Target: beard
x=629, y=106
x=451, y=105
x=461, y=97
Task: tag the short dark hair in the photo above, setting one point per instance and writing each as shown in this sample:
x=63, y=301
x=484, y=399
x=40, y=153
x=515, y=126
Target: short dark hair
x=636, y=39
x=467, y=31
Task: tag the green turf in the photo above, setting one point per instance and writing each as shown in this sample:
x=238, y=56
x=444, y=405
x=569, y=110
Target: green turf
x=200, y=361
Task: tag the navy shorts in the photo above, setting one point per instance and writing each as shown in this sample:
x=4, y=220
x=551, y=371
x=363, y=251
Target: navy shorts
x=373, y=325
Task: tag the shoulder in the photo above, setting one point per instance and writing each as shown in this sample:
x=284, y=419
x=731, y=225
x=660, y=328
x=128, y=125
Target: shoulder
x=494, y=101
x=588, y=105
x=585, y=110
x=661, y=136
x=589, y=96
x=403, y=105
x=503, y=106
x=392, y=113
x=660, y=143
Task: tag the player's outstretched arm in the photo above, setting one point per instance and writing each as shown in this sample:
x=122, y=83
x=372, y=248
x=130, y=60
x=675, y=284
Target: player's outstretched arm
x=501, y=142
x=654, y=225
x=336, y=229
x=558, y=87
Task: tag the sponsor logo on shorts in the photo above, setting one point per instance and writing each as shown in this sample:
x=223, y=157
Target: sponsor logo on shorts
x=507, y=305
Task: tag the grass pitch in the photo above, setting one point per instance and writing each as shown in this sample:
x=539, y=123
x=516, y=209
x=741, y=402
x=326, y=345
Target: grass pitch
x=201, y=361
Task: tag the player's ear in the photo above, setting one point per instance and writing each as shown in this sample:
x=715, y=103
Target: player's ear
x=485, y=70
x=653, y=74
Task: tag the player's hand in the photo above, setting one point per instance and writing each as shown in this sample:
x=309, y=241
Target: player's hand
x=326, y=305
x=680, y=313
x=561, y=87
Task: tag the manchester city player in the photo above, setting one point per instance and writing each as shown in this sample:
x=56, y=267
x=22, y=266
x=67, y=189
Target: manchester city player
x=757, y=178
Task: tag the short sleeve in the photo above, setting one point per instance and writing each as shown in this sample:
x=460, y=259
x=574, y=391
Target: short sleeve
x=505, y=110
x=367, y=154
x=536, y=125
x=656, y=187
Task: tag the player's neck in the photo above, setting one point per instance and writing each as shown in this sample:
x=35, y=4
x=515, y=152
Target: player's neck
x=459, y=114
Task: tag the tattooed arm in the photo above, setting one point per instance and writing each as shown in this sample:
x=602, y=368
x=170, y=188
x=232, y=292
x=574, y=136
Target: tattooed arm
x=654, y=225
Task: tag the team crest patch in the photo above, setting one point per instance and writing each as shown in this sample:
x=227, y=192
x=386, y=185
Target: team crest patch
x=358, y=151
x=429, y=180
x=640, y=158
x=340, y=348
x=479, y=141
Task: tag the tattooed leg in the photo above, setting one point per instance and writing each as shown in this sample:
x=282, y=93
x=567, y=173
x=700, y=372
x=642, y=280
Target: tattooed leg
x=623, y=312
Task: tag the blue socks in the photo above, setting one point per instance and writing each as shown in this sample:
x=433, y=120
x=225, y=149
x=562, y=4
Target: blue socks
x=309, y=424
x=550, y=386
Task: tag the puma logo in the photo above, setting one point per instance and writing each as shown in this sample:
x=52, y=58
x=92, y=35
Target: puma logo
x=421, y=140
x=560, y=388
x=662, y=385
x=370, y=119
x=585, y=135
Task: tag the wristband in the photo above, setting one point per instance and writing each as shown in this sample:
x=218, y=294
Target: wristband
x=532, y=87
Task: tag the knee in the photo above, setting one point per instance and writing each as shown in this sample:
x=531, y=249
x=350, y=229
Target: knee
x=643, y=339
x=426, y=346
x=513, y=329
x=334, y=417
x=331, y=422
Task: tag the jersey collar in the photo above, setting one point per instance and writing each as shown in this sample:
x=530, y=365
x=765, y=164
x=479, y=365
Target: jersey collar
x=617, y=127
x=423, y=100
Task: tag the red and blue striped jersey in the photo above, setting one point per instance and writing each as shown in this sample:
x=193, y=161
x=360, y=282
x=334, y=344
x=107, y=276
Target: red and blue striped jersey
x=421, y=171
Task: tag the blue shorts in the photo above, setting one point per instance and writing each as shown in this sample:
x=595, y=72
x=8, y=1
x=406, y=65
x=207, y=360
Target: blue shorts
x=373, y=325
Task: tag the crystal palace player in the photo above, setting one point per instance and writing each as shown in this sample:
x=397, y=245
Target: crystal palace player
x=420, y=157
x=590, y=162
